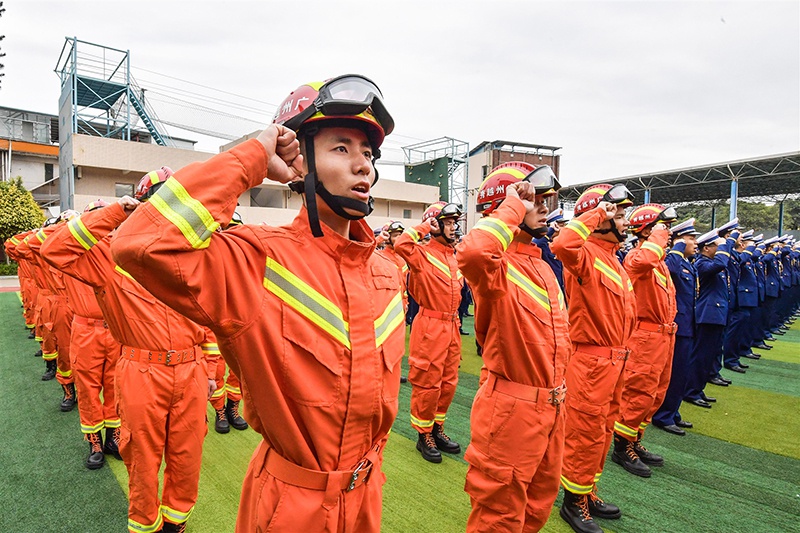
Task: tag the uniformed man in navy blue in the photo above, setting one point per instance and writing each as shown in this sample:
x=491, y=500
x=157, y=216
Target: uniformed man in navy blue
x=711, y=312
x=748, y=295
x=684, y=277
x=743, y=296
x=759, y=322
x=772, y=269
x=555, y=221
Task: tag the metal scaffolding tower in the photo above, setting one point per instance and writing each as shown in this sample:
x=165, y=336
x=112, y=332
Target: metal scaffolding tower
x=457, y=154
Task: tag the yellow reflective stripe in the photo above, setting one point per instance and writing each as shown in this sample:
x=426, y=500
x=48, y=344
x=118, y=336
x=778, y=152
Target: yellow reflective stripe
x=579, y=227
x=64, y=374
x=438, y=264
x=41, y=236
x=175, y=516
x=81, y=233
x=49, y=356
x=14, y=241
x=440, y=417
x=218, y=393
x=390, y=319
x=662, y=279
x=113, y=424
x=414, y=234
x=597, y=477
x=630, y=285
x=405, y=268
x=119, y=269
x=643, y=426
x=38, y=339
x=528, y=286
x=653, y=247
x=498, y=228
x=301, y=297
x=421, y=423
x=574, y=487
x=210, y=348
x=136, y=527
x=187, y=214
x=91, y=429
x=235, y=390
x=612, y=274
x=561, y=303
x=625, y=430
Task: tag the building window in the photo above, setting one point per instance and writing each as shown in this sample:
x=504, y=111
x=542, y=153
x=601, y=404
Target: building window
x=48, y=172
x=123, y=189
x=484, y=171
x=406, y=213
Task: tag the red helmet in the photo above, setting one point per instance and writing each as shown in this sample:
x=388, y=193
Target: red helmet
x=236, y=220
x=591, y=197
x=648, y=214
x=441, y=211
x=147, y=185
x=350, y=97
x=492, y=191
x=68, y=215
x=97, y=204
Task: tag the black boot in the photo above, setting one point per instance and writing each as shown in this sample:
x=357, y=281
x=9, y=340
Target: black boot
x=647, y=457
x=625, y=456
x=221, y=422
x=111, y=445
x=37, y=353
x=403, y=379
x=31, y=335
x=575, y=512
x=68, y=403
x=50, y=370
x=443, y=442
x=96, y=458
x=233, y=416
x=601, y=509
x=169, y=527
x=427, y=447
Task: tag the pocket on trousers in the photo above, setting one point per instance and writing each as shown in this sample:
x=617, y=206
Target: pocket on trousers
x=488, y=481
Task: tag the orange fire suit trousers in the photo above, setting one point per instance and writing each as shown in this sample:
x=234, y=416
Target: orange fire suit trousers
x=276, y=497
x=645, y=379
x=29, y=293
x=62, y=331
x=163, y=413
x=594, y=382
x=434, y=357
x=41, y=312
x=229, y=389
x=94, y=354
x=513, y=488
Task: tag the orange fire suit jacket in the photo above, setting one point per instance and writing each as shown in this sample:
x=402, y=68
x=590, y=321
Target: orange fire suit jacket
x=530, y=347
x=312, y=327
x=80, y=248
x=652, y=283
x=435, y=281
x=597, y=314
x=389, y=253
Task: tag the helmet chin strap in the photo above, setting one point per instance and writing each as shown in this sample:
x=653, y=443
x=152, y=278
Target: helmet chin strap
x=613, y=229
x=337, y=203
x=441, y=234
x=537, y=233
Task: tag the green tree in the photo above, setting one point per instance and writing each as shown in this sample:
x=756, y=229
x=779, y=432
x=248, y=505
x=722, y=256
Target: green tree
x=18, y=210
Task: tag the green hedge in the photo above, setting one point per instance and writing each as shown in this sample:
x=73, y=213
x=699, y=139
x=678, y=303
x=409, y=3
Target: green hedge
x=8, y=269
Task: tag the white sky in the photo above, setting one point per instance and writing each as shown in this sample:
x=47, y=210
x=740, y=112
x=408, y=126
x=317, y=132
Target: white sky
x=623, y=87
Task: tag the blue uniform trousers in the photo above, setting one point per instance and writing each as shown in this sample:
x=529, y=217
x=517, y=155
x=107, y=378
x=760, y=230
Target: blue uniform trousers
x=707, y=349
x=734, y=334
x=668, y=413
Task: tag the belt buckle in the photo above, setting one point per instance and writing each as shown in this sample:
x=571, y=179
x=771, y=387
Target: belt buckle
x=557, y=395
x=362, y=466
x=168, y=358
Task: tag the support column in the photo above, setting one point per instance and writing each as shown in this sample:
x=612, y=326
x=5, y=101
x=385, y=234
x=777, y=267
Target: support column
x=713, y=217
x=647, y=196
x=780, y=218
x=734, y=198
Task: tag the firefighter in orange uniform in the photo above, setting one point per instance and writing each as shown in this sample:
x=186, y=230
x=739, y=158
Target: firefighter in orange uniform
x=647, y=372
x=522, y=323
x=435, y=344
x=387, y=237
x=27, y=287
x=602, y=313
x=162, y=381
x=307, y=315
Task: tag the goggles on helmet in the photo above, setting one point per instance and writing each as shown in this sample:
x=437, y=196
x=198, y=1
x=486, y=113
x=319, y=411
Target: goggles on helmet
x=395, y=227
x=618, y=194
x=347, y=95
x=544, y=180
x=668, y=215
x=449, y=211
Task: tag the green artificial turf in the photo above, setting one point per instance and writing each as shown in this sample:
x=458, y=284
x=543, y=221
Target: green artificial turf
x=738, y=470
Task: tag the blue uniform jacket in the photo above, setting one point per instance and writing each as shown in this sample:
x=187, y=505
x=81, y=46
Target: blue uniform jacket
x=684, y=276
x=550, y=258
x=758, y=265
x=748, y=282
x=712, y=302
x=773, y=276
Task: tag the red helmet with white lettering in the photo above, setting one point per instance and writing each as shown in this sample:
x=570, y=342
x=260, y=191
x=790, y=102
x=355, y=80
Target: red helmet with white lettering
x=97, y=204
x=150, y=183
x=441, y=211
x=492, y=191
x=649, y=214
x=591, y=197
